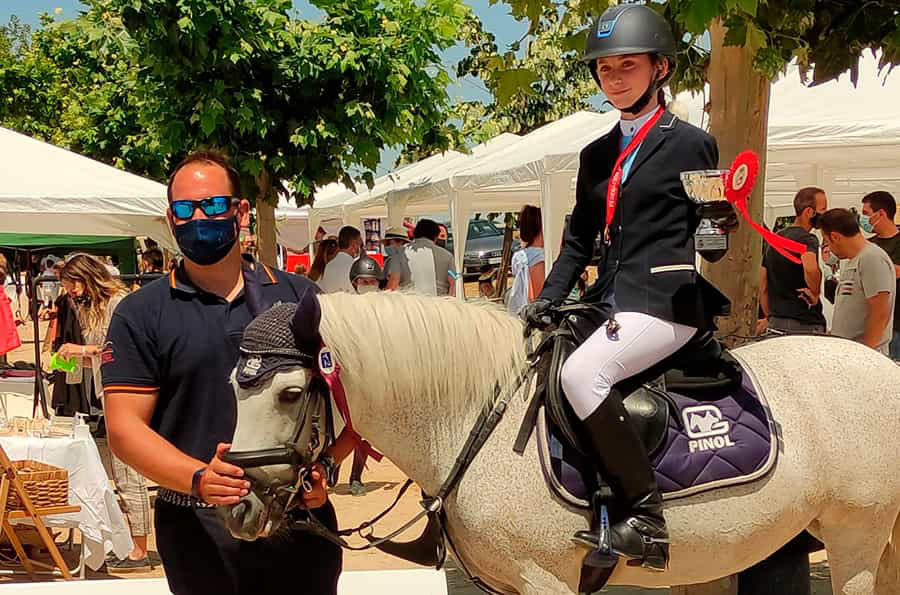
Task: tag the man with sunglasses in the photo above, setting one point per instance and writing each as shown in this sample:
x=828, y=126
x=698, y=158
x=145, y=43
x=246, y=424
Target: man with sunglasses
x=171, y=409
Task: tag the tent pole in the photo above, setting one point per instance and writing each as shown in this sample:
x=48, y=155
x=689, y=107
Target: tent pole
x=40, y=395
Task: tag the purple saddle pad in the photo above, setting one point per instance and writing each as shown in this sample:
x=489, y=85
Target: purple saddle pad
x=719, y=441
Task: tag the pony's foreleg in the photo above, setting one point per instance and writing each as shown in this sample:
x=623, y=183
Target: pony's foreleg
x=888, y=580
x=855, y=546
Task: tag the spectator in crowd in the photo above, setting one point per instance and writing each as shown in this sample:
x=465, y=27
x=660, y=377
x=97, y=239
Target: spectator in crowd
x=300, y=269
x=878, y=211
x=528, y=263
x=789, y=292
x=864, y=305
x=171, y=408
x=52, y=314
x=326, y=251
x=97, y=294
x=431, y=267
x=337, y=271
x=443, y=236
x=112, y=263
x=366, y=277
x=396, y=268
x=153, y=261
x=49, y=290
x=365, y=274
x=9, y=335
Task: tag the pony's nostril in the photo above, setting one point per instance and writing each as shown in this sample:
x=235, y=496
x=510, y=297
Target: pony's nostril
x=239, y=510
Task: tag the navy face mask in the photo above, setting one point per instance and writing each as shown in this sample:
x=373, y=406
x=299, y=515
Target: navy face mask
x=206, y=241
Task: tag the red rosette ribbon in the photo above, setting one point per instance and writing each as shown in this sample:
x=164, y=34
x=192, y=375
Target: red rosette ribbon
x=739, y=183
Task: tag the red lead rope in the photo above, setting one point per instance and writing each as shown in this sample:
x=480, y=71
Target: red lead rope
x=331, y=372
x=615, y=180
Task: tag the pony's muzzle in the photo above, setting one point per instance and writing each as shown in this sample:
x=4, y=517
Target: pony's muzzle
x=248, y=519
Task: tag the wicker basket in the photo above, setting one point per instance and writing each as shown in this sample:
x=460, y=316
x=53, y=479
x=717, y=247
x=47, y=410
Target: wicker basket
x=45, y=484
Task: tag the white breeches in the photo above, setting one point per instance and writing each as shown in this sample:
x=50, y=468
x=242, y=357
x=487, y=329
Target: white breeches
x=602, y=361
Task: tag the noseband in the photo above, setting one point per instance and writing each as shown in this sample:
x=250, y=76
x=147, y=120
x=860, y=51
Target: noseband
x=312, y=433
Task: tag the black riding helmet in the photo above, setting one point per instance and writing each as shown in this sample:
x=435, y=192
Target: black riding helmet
x=365, y=267
x=631, y=29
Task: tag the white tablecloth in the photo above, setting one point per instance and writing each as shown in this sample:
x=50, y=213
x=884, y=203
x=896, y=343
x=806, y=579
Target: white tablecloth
x=100, y=521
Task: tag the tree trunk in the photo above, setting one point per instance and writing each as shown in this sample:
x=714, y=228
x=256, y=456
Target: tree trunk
x=265, y=223
x=739, y=115
x=505, y=257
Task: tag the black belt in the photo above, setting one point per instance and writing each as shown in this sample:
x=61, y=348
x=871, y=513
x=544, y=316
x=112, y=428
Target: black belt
x=178, y=499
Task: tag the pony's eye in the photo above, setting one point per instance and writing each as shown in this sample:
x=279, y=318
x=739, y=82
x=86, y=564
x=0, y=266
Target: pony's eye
x=290, y=394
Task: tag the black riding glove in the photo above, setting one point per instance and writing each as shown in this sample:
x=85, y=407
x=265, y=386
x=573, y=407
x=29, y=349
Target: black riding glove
x=536, y=314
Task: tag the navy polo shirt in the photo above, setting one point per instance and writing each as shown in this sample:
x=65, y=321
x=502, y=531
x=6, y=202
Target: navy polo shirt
x=173, y=338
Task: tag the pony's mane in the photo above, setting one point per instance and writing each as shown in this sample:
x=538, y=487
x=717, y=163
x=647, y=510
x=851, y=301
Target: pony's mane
x=414, y=347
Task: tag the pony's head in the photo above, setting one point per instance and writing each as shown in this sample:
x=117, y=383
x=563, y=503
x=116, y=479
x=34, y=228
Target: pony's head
x=281, y=415
x=426, y=365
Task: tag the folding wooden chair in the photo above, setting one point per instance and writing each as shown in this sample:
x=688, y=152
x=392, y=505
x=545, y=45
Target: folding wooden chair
x=11, y=481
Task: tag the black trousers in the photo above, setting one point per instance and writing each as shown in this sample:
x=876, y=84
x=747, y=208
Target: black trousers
x=201, y=557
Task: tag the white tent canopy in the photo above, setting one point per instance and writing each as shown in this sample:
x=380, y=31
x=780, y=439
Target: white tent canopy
x=48, y=190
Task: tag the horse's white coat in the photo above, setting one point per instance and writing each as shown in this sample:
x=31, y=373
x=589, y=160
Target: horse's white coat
x=416, y=371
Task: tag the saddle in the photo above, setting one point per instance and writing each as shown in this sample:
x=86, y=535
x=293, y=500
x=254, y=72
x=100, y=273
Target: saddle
x=703, y=368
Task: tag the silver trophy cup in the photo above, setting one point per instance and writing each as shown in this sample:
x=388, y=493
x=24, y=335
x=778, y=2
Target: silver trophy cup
x=706, y=187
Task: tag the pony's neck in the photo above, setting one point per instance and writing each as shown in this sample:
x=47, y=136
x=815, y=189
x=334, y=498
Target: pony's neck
x=419, y=437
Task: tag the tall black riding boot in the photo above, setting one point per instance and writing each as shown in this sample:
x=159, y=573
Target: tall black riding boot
x=619, y=454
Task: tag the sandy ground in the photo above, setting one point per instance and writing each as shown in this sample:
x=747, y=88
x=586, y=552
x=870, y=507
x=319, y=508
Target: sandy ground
x=383, y=481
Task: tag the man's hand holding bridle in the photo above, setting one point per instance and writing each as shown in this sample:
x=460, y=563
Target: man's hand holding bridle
x=317, y=496
x=222, y=484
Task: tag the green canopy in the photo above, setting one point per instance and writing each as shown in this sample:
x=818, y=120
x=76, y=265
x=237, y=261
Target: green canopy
x=60, y=244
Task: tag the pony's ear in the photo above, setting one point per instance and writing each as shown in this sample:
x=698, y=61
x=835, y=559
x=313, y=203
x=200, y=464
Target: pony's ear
x=305, y=324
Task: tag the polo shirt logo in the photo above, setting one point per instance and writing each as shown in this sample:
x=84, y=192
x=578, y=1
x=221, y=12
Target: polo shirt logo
x=252, y=366
x=107, y=356
x=326, y=361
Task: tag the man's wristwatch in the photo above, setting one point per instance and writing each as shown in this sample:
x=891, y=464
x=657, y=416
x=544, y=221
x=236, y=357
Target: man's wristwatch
x=331, y=469
x=195, y=482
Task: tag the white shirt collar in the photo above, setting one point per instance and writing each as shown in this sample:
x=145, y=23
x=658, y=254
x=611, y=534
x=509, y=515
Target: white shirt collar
x=631, y=127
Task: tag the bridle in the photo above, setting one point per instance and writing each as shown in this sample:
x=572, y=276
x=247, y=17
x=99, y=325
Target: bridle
x=312, y=433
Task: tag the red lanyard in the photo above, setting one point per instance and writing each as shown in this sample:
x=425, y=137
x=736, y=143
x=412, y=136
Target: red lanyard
x=615, y=180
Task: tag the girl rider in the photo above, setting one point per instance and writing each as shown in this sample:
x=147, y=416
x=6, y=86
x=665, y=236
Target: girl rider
x=629, y=189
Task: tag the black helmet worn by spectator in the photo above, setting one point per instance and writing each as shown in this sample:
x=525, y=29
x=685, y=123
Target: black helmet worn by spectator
x=365, y=267
x=631, y=29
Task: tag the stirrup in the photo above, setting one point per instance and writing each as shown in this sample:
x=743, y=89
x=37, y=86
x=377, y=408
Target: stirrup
x=654, y=550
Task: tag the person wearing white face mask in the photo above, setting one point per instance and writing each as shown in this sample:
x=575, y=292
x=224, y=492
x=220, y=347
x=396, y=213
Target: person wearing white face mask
x=878, y=211
x=365, y=274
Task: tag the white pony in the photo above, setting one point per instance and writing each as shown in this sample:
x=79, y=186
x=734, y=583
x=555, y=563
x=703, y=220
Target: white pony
x=417, y=372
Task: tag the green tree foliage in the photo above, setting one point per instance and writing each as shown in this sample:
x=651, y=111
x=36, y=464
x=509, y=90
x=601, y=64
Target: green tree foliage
x=531, y=86
x=297, y=104
x=73, y=84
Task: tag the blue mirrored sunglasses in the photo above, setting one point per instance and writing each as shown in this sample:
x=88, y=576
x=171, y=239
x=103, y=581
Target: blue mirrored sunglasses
x=211, y=207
